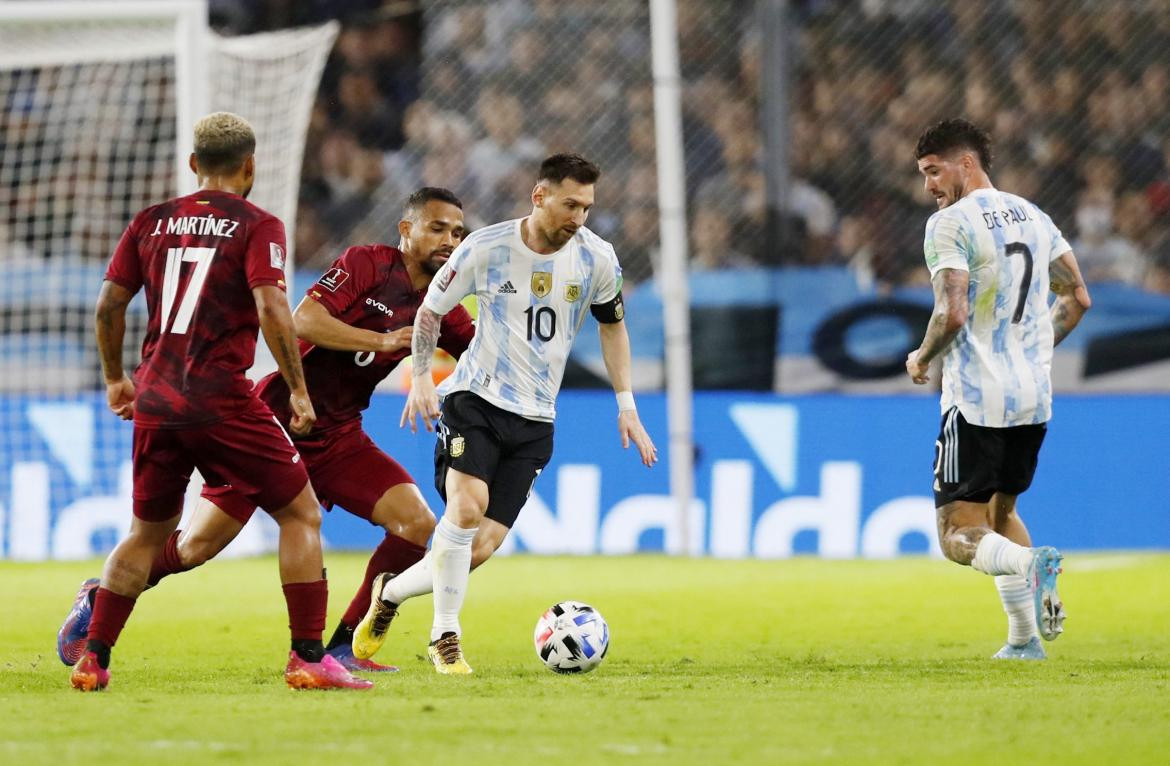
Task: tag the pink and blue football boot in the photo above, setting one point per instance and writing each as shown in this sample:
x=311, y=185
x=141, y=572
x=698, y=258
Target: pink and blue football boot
x=71, y=637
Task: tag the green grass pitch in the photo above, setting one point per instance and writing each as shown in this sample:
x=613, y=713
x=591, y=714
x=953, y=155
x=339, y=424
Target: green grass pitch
x=796, y=661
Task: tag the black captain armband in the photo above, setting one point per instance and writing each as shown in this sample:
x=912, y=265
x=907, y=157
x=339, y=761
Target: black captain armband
x=609, y=313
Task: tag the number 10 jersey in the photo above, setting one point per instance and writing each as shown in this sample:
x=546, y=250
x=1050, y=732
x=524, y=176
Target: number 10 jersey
x=997, y=371
x=531, y=306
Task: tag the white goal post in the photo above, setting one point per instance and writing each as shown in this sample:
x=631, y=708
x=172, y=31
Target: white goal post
x=97, y=104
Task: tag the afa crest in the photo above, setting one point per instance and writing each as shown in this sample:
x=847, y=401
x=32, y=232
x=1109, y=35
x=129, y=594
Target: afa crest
x=541, y=283
x=572, y=291
x=457, y=446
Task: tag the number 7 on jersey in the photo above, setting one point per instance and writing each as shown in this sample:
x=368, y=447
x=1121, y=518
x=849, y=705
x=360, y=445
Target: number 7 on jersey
x=176, y=256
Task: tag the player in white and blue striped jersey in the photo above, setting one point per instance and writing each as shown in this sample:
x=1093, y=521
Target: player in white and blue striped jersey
x=993, y=259
x=535, y=279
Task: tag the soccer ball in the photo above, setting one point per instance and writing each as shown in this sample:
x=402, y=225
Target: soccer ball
x=571, y=637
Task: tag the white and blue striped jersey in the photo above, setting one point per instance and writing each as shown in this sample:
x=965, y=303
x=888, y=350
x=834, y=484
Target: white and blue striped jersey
x=531, y=306
x=998, y=369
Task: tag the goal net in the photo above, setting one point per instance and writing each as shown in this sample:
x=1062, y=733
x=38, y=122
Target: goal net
x=95, y=121
x=97, y=104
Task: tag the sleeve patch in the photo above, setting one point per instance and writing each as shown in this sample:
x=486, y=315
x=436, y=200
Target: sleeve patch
x=444, y=281
x=333, y=279
x=276, y=255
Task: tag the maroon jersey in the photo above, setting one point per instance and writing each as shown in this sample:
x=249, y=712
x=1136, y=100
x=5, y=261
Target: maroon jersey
x=198, y=257
x=370, y=288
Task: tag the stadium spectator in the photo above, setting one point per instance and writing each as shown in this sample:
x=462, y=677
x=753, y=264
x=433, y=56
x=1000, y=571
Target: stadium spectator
x=1088, y=84
x=507, y=146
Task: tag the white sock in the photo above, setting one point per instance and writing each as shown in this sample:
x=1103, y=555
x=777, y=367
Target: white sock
x=414, y=581
x=1017, y=603
x=997, y=555
x=450, y=567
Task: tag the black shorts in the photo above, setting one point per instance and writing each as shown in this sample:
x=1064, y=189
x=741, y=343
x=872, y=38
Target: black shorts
x=972, y=463
x=504, y=449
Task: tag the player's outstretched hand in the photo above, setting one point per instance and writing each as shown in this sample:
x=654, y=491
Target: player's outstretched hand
x=630, y=428
x=120, y=396
x=916, y=370
x=397, y=340
x=303, y=416
x=422, y=401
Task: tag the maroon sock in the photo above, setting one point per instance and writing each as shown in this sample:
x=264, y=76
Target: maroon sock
x=306, y=609
x=167, y=562
x=110, y=612
x=393, y=555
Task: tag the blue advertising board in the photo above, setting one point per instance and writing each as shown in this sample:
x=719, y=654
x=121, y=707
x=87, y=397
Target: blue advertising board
x=835, y=476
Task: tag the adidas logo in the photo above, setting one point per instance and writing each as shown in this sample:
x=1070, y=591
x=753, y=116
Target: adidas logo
x=506, y=289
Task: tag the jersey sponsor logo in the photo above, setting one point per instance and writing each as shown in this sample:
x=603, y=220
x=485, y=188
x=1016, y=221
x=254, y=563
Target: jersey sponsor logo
x=457, y=446
x=276, y=255
x=333, y=279
x=445, y=280
x=380, y=307
x=572, y=291
x=506, y=289
x=541, y=283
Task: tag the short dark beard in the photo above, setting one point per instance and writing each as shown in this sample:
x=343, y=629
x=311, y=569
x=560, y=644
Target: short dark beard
x=429, y=267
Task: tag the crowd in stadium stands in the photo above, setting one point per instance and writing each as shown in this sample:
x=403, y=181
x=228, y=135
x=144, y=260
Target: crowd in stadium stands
x=1074, y=94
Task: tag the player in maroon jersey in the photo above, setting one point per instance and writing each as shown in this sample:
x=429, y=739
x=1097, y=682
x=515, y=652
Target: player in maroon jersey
x=212, y=265
x=355, y=327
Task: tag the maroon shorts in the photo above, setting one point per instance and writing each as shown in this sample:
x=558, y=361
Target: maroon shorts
x=345, y=466
x=250, y=451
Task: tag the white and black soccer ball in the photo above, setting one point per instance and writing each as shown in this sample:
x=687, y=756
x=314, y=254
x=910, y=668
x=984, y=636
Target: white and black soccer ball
x=571, y=637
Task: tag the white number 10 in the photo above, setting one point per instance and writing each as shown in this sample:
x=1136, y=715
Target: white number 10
x=201, y=257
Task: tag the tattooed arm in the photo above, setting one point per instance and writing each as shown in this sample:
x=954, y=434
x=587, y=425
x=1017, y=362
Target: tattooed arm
x=949, y=316
x=110, y=328
x=276, y=323
x=1072, y=297
x=423, y=400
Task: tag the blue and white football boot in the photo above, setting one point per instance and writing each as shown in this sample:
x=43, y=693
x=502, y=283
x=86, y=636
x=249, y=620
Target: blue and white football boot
x=1033, y=650
x=1042, y=580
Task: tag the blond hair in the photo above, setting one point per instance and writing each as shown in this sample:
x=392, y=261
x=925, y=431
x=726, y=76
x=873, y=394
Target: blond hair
x=222, y=142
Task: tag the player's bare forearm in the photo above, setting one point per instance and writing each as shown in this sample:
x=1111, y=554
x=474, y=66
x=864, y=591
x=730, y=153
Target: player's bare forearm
x=316, y=325
x=949, y=315
x=1064, y=278
x=276, y=323
x=615, y=350
x=110, y=328
x=425, y=340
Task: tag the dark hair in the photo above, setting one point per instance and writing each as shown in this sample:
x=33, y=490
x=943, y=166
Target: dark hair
x=948, y=135
x=421, y=197
x=561, y=166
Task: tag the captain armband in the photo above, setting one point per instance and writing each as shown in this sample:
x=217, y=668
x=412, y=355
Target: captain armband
x=610, y=312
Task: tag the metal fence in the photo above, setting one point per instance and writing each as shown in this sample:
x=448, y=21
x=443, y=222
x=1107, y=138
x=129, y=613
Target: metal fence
x=506, y=83
x=1074, y=93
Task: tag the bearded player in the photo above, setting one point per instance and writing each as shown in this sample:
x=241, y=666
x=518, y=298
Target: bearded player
x=354, y=327
x=993, y=259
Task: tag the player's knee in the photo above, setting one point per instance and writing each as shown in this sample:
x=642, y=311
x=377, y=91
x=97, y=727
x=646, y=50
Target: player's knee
x=466, y=510
x=416, y=526
x=302, y=514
